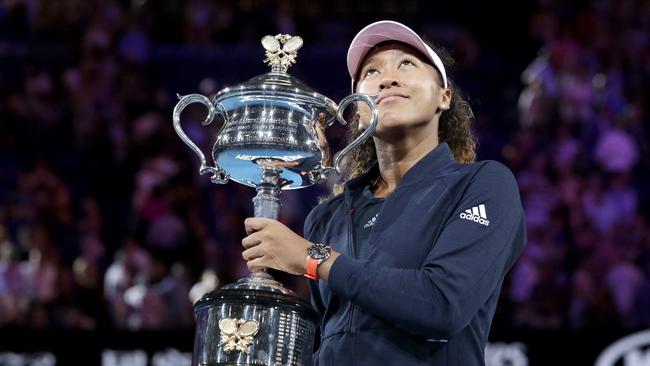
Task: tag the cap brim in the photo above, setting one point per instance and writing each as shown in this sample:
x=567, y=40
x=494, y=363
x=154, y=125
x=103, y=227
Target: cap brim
x=388, y=30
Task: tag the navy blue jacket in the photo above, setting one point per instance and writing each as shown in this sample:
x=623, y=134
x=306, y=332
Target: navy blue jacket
x=438, y=254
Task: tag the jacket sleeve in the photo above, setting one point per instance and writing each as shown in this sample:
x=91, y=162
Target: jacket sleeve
x=461, y=272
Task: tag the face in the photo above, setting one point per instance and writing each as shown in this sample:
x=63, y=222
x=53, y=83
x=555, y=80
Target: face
x=410, y=95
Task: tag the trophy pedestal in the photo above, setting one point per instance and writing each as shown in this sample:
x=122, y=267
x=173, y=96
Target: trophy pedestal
x=254, y=321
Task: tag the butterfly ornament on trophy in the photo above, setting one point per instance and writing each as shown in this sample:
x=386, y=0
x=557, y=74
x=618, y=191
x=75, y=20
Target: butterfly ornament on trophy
x=237, y=334
x=281, y=50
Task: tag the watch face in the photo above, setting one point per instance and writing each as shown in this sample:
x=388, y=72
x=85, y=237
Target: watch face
x=318, y=251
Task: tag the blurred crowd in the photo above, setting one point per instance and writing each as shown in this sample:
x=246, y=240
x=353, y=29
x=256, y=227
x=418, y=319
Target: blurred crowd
x=105, y=222
x=581, y=161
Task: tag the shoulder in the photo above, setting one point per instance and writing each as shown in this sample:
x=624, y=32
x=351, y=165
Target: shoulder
x=486, y=179
x=484, y=171
x=496, y=182
x=494, y=171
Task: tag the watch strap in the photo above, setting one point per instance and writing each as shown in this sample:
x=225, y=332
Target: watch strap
x=316, y=254
x=312, y=268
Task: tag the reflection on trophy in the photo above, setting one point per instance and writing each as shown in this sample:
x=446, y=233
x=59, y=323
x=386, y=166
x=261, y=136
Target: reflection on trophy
x=273, y=139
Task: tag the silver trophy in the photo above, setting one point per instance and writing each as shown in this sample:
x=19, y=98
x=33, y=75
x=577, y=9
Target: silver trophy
x=273, y=139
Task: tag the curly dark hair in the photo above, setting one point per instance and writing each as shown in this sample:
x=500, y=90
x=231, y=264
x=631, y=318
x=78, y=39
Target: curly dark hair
x=454, y=128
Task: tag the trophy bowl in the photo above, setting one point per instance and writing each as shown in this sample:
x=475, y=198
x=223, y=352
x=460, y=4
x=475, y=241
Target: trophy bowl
x=273, y=119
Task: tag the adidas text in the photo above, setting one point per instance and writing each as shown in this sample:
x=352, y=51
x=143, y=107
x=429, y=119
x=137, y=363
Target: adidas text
x=476, y=214
x=475, y=218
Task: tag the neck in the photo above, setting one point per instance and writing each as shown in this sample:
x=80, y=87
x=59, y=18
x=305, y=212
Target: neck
x=396, y=158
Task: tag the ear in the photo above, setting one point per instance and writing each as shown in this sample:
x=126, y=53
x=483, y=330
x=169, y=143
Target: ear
x=445, y=99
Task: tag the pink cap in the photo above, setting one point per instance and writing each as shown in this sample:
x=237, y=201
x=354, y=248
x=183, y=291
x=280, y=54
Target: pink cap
x=388, y=30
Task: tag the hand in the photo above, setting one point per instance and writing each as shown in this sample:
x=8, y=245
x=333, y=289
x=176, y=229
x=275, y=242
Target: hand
x=270, y=244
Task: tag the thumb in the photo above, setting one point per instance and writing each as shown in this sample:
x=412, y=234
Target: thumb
x=253, y=224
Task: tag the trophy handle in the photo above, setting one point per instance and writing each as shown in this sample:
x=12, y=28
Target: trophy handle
x=219, y=175
x=338, y=157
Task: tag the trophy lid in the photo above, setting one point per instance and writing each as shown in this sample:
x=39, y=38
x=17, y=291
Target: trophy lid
x=281, y=53
x=260, y=281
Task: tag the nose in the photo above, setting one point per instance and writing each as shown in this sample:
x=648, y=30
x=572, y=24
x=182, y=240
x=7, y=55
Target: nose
x=389, y=82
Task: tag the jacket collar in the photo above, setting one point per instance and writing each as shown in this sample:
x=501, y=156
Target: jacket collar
x=429, y=166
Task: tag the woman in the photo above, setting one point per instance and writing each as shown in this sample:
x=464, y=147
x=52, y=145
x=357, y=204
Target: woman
x=407, y=262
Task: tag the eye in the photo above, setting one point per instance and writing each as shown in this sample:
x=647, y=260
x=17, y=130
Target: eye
x=406, y=62
x=370, y=72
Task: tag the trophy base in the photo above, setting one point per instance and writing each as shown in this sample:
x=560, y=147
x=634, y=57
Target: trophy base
x=254, y=321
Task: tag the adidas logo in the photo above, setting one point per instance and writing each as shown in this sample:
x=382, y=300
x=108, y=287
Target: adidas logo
x=371, y=222
x=476, y=214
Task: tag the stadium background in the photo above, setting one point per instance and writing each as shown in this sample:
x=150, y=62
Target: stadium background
x=106, y=226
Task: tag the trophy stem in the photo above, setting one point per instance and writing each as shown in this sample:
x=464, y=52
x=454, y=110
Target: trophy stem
x=267, y=201
x=267, y=204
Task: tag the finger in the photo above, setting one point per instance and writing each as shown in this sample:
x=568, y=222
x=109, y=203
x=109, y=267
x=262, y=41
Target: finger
x=253, y=224
x=252, y=240
x=252, y=253
x=256, y=264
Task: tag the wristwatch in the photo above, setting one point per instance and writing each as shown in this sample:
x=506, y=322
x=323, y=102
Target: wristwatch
x=316, y=254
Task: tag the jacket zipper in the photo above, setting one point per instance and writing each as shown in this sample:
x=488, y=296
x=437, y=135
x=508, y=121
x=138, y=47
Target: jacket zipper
x=351, y=232
x=350, y=224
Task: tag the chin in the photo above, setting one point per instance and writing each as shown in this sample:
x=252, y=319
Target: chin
x=394, y=124
x=393, y=118
x=391, y=130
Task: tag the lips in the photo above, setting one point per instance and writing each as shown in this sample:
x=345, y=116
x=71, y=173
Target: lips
x=389, y=96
